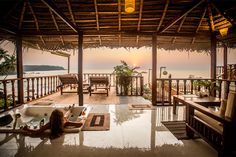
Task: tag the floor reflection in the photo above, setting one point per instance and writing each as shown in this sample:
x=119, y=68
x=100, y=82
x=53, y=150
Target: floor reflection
x=132, y=133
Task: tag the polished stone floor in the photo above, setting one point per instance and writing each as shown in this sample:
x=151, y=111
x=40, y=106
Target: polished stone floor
x=132, y=133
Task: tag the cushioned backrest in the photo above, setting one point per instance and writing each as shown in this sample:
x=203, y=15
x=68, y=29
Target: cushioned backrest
x=231, y=106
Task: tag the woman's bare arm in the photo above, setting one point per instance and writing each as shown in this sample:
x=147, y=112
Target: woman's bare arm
x=37, y=131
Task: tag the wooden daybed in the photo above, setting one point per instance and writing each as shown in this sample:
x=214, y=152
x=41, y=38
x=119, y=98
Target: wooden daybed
x=98, y=82
x=218, y=128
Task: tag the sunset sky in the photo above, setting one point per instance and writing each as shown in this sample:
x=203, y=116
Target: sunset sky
x=105, y=59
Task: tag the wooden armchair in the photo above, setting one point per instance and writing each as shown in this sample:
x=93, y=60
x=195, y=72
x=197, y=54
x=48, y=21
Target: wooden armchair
x=216, y=128
x=99, y=82
x=68, y=80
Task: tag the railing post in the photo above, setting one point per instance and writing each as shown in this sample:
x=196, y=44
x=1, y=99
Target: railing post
x=32, y=80
x=37, y=84
x=170, y=88
x=141, y=86
x=28, y=95
x=13, y=92
x=5, y=95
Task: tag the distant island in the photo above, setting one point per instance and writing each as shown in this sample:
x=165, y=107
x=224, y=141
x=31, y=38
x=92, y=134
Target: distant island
x=42, y=68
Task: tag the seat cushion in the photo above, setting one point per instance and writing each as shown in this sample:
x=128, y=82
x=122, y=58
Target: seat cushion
x=212, y=122
x=231, y=106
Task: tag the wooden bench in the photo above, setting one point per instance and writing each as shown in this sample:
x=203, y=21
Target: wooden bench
x=217, y=129
x=99, y=82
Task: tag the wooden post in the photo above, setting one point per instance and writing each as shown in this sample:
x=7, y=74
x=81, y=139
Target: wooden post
x=80, y=68
x=154, y=69
x=213, y=56
x=19, y=61
x=68, y=64
x=225, y=55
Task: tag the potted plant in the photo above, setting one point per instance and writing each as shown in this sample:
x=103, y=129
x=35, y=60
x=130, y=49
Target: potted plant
x=208, y=85
x=7, y=65
x=123, y=74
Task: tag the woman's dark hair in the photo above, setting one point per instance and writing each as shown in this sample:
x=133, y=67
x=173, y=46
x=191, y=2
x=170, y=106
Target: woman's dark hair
x=56, y=123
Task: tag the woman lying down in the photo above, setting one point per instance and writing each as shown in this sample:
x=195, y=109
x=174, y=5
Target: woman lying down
x=57, y=123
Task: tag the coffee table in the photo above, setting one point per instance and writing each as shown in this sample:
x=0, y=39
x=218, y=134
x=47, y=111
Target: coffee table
x=205, y=101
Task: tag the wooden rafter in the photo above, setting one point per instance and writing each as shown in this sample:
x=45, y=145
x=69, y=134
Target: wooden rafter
x=55, y=23
x=140, y=18
x=54, y=20
x=97, y=21
x=211, y=18
x=180, y=25
x=119, y=15
x=35, y=18
x=96, y=33
x=22, y=16
x=200, y=22
x=224, y=14
x=163, y=15
x=180, y=16
x=36, y=21
x=62, y=40
x=57, y=11
x=5, y=16
x=71, y=13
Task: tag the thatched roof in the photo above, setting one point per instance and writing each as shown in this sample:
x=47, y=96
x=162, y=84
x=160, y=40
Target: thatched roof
x=178, y=24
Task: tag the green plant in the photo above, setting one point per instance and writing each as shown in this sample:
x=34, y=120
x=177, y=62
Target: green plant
x=211, y=86
x=7, y=63
x=124, y=73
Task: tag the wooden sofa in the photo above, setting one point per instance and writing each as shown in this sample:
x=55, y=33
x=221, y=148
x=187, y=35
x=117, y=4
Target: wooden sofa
x=98, y=82
x=218, y=128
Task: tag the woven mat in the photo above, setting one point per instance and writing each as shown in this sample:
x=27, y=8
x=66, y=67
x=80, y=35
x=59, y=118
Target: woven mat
x=140, y=107
x=177, y=128
x=97, y=122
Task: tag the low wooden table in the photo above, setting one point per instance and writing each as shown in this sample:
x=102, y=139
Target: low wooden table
x=205, y=101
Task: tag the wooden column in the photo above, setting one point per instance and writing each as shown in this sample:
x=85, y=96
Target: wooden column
x=225, y=55
x=19, y=62
x=154, y=69
x=80, y=68
x=213, y=56
x=68, y=64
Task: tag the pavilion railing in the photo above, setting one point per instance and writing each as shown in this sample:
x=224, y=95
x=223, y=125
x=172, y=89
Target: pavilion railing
x=35, y=88
x=129, y=85
x=166, y=88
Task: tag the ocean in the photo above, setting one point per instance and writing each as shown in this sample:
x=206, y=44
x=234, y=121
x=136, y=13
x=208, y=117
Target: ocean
x=146, y=74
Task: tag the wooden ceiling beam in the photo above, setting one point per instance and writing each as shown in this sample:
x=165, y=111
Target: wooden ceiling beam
x=199, y=24
x=55, y=23
x=163, y=15
x=210, y=18
x=139, y=19
x=71, y=13
x=15, y=5
x=180, y=16
x=57, y=11
x=119, y=15
x=34, y=16
x=179, y=28
x=224, y=14
x=97, y=21
x=54, y=20
x=96, y=33
x=22, y=15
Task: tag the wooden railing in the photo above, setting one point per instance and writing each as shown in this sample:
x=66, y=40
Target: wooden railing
x=33, y=87
x=36, y=88
x=231, y=71
x=129, y=86
x=166, y=88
